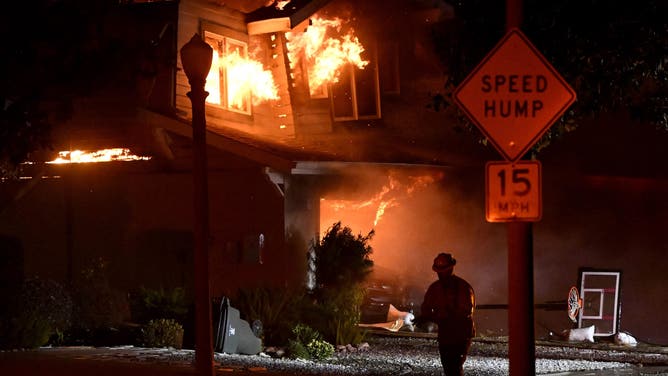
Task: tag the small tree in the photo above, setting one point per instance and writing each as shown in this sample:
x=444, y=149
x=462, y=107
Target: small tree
x=342, y=264
x=342, y=258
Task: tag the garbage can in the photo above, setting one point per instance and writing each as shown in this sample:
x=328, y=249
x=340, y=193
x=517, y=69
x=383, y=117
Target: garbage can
x=232, y=334
x=226, y=326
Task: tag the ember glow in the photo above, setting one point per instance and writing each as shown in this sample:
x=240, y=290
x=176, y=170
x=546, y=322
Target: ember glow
x=104, y=155
x=325, y=54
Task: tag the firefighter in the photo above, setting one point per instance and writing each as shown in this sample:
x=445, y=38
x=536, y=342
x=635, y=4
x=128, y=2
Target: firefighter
x=449, y=302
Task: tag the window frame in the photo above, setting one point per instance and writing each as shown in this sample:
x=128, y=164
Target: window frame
x=227, y=39
x=373, y=64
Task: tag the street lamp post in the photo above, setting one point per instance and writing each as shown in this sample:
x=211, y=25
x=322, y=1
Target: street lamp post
x=196, y=58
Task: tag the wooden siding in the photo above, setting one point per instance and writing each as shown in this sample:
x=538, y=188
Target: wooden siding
x=192, y=14
x=311, y=116
x=412, y=78
x=272, y=118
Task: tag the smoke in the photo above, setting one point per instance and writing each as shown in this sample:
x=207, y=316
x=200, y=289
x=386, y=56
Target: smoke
x=425, y=212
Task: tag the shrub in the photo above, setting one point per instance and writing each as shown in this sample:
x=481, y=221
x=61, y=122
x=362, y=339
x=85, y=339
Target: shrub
x=162, y=333
x=277, y=310
x=26, y=330
x=319, y=349
x=345, y=306
x=341, y=257
x=98, y=305
x=41, y=309
x=148, y=304
x=307, y=343
x=342, y=264
x=305, y=334
x=297, y=350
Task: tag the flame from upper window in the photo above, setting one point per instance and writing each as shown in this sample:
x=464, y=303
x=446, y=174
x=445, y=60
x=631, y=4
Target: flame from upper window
x=246, y=76
x=104, y=155
x=325, y=55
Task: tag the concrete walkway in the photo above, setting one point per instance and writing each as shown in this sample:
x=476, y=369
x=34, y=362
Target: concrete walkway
x=73, y=361
x=131, y=361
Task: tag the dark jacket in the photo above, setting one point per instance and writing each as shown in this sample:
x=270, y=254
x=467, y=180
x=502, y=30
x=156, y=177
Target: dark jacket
x=450, y=303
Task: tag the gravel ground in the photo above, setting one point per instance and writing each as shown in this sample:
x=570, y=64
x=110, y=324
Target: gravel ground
x=419, y=356
x=387, y=355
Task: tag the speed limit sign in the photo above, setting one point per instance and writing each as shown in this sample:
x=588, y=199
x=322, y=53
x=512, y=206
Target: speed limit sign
x=513, y=191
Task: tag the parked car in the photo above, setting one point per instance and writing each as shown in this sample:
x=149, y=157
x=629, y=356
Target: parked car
x=381, y=293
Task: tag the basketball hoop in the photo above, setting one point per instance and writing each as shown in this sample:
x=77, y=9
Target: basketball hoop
x=574, y=304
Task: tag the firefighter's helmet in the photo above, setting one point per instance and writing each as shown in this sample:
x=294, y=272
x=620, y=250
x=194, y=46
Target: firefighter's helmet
x=443, y=261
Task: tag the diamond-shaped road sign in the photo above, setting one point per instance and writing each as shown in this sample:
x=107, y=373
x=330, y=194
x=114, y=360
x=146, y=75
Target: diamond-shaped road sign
x=514, y=95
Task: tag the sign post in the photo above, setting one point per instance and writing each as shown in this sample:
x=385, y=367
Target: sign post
x=514, y=95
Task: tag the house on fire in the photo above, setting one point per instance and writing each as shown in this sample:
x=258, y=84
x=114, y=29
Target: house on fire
x=322, y=111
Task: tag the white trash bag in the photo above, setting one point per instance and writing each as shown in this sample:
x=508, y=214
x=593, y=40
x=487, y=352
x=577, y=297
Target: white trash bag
x=625, y=339
x=582, y=334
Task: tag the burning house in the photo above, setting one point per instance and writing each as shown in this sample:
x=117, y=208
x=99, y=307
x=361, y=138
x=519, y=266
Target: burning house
x=321, y=111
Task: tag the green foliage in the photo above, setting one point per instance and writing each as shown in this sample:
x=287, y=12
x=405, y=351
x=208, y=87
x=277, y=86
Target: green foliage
x=348, y=332
x=42, y=308
x=341, y=257
x=27, y=330
x=297, y=350
x=66, y=53
x=98, y=305
x=307, y=343
x=613, y=55
x=305, y=334
x=162, y=333
x=345, y=320
x=276, y=308
x=319, y=349
x=23, y=130
x=342, y=264
x=338, y=314
x=148, y=304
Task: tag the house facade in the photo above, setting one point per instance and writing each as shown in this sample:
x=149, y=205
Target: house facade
x=294, y=146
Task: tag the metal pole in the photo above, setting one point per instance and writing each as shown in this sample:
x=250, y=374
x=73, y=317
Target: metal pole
x=69, y=224
x=513, y=14
x=521, y=346
x=203, y=326
x=521, y=342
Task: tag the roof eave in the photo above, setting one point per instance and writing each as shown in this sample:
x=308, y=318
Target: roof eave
x=270, y=19
x=221, y=142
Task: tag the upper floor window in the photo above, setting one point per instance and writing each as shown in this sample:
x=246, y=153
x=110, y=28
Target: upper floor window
x=225, y=82
x=356, y=95
x=334, y=64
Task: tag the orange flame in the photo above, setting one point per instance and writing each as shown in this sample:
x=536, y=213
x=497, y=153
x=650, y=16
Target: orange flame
x=245, y=77
x=388, y=197
x=104, y=155
x=324, y=55
x=281, y=4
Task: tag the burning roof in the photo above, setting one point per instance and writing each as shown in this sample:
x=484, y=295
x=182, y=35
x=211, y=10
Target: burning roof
x=296, y=10
x=103, y=155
